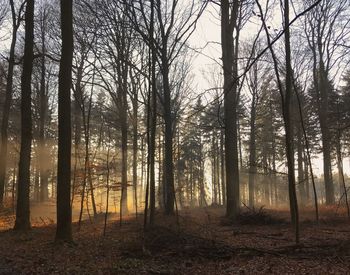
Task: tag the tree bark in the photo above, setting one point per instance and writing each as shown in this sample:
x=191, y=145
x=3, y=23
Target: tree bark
x=43, y=157
x=230, y=106
x=7, y=104
x=64, y=211
x=301, y=179
x=153, y=125
x=168, y=141
x=289, y=128
x=23, y=211
x=135, y=148
x=252, y=152
x=326, y=146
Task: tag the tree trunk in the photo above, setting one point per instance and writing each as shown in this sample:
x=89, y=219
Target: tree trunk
x=301, y=179
x=135, y=149
x=214, y=181
x=218, y=170
x=306, y=177
x=43, y=156
x=153, y=119
x=324, y=87
x=252, y=152
x=64, y=211
x=222, y=161
x=168, y=143
x=23, y=211
x=36, y=183
x=124, y=181
x=7, y=104
x=124, y=130
x=289, y=128
x=230, y=107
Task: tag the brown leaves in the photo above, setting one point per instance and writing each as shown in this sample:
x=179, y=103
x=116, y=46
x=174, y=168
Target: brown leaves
x=201, y=245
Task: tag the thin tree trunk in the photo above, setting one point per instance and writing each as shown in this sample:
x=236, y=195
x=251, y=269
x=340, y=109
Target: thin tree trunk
x=307, y=147
x=124, y=149
x=168, y=143
x=107, y=199
x=36, y=182
x=340, y=161
x=135, y=149
x=43, y=157
x=14, y=188
x=7, y=103
x=153, y=121
x=301, y=179
x=289, y=128
x=323, y=116
x=252, y=153
x=222, y=161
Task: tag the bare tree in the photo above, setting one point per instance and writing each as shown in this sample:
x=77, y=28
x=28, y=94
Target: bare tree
x=229, y=45
x=172, y=36
x=64, y=211
x=16, y=21
x=325, y=28
x=286, y=92
x=23, y=211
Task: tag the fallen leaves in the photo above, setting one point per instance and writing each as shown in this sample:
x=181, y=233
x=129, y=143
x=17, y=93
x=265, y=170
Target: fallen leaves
x=201, y=244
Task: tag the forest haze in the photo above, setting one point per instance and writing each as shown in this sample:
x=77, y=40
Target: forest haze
x=114, y=112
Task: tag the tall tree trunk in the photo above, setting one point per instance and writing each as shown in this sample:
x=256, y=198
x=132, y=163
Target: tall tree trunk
x=141, y=193
x=214, y=183
x=152, y=121
x=252, y=153
x=43, y=156
x=341, y=172
x=230, y=106
x=306, y=177
x=86, y=120
x=124, y=144
x=36, y=182
x=289, y=128
x=23, y=211
x=135, y=149
x=301, y=179
x=14, y=187
x=218, y=170
x=77, y=115
x=168, y=143
x=7, y=104
x=107, y=195
x=324, y=87
x=124, y=130
x=222, y=161
x=327, y=163
x=64, y=211
x=339, y=166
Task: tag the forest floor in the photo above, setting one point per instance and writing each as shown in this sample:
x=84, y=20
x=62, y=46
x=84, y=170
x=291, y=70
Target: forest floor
x=199, y=241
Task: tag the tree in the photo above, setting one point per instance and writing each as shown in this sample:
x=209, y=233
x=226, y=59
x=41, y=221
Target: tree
x=23, y=211
x=324, y=28
x=172, y=36
x=64, y=212
x=16, y=21
x=286, y=99
x=289, y=127
x=43, y=95
x=229, y=45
